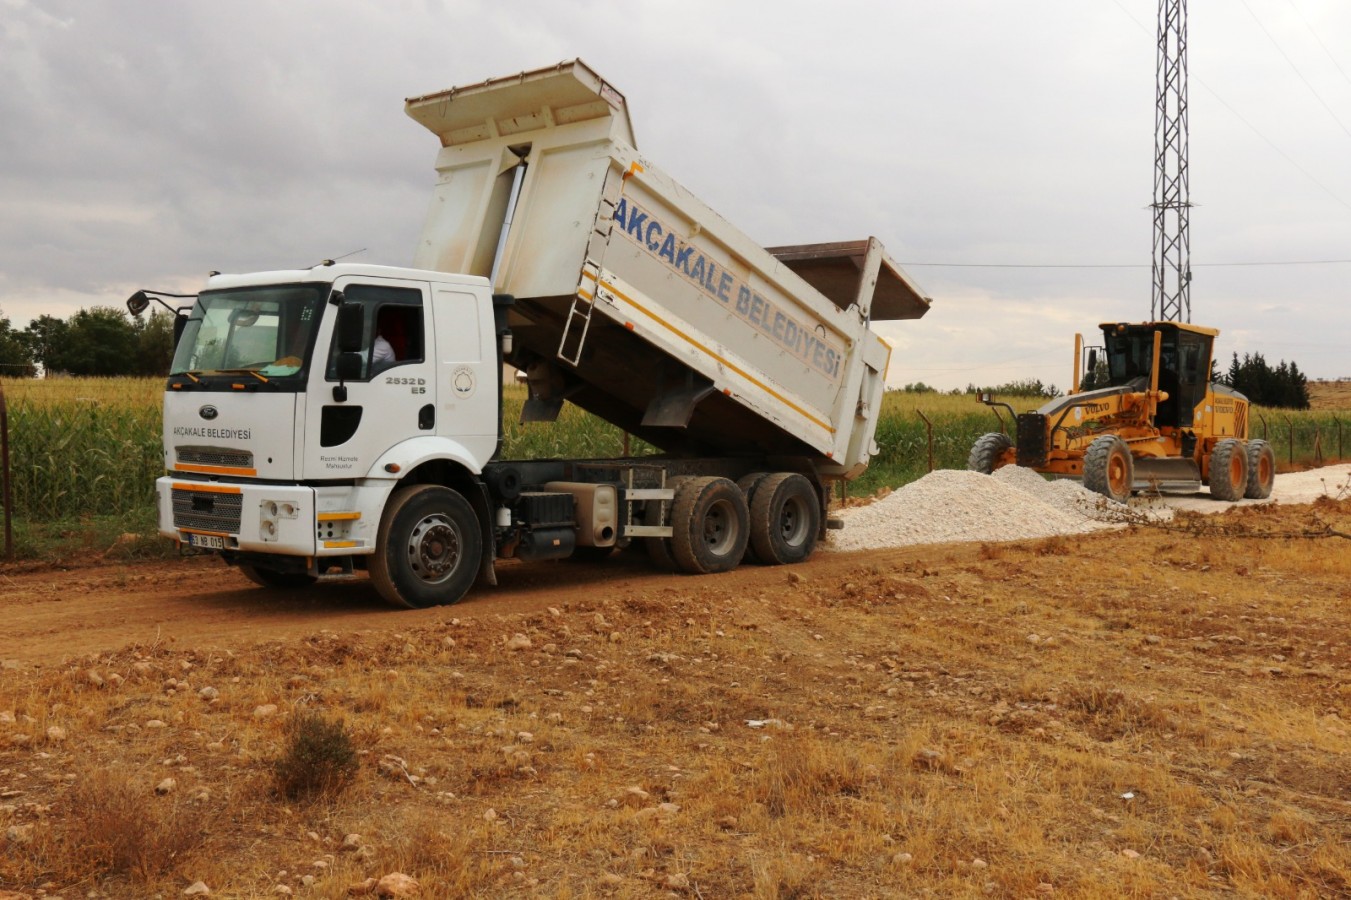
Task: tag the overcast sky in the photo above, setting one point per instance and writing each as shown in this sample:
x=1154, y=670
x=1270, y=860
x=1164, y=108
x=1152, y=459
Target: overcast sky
x=144, y=144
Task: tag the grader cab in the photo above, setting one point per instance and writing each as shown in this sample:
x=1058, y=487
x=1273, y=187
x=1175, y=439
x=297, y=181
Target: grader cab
x=1144, y=416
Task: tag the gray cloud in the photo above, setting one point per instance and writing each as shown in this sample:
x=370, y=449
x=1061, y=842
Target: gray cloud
x=143, y=145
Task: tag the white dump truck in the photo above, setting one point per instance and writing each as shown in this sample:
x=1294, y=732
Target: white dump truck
x=348, y=417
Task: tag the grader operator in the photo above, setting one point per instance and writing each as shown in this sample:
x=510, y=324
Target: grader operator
x=1147, y=417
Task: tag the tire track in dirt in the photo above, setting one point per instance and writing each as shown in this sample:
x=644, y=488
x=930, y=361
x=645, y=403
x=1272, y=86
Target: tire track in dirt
x=51, y=614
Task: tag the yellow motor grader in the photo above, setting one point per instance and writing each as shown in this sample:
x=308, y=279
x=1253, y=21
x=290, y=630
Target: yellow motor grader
x=1151, y=420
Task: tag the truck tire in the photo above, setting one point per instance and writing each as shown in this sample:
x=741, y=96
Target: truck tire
x=659, y=513
x=1261, y=470
x=1228, y=470
x=710, y=525
x=271, y=578
x=748, y=484
x=986, y=451
x=785, y=519
x=1109, y=468
x=429, y=548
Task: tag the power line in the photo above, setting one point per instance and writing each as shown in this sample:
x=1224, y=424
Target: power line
x=1255, y=130
x=1332, y=59
x=1195, y=265
x=1286, y=56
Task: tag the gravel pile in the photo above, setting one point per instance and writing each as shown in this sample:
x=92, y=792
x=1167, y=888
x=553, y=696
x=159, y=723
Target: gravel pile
x=1017, y=503
x=957, y=505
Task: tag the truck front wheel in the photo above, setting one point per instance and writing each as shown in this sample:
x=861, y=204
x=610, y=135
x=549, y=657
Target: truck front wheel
x=429, y=548
x=709, y=525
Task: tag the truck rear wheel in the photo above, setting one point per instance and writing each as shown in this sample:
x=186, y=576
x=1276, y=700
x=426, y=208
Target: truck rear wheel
x=429, y=548
x=986, y=452
x=1109, y=468
x=747, y=484
x=1228, y=470
x=709, y=525
x=785, y=519
x=271, y=578
x=1261, y=470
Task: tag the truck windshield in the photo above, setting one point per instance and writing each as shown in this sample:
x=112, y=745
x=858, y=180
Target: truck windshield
x=268, y=330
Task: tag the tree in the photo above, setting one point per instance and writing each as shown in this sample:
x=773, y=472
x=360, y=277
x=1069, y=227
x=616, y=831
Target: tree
x=1098, y=376
x=1282, y=387
x=155, y=343
x=101, y=341
x=15, y=359
x=46, y=340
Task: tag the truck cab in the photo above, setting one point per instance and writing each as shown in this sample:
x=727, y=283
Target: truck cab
x=281, y=440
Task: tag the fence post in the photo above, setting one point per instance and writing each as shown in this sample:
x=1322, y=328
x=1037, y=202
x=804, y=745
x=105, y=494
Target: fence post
x=1291, y=426
x=1317, y=444
x=8, y=491
x=930, y=427
x=1265, y=435
x=1340, y=456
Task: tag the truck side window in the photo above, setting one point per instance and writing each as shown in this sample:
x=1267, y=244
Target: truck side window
x=393, y=332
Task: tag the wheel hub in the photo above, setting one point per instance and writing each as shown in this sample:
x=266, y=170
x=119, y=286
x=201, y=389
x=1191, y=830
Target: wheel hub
x=434, y=548
x=719, y=531
x=792, y=523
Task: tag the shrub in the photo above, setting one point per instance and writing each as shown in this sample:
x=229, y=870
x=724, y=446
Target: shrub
x=119, y=827
x=319, y=758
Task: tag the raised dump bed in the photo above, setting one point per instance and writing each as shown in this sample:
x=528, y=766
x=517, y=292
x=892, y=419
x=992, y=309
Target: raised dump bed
x=638, y=302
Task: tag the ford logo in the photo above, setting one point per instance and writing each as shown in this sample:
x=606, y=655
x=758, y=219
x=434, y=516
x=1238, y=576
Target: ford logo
x=208, y=412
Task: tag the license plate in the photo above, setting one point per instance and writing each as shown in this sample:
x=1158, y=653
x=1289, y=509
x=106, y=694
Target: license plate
x=207, y=541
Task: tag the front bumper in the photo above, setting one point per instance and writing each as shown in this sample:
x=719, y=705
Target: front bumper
x=284, y=519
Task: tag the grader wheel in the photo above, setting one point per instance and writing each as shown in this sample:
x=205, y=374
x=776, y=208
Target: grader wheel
x=1261, y=470
x=1109, y=468
x=1229, y=470
x=987, y=450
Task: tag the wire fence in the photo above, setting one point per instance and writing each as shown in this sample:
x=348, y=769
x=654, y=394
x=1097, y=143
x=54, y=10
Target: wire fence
x=1307, y=441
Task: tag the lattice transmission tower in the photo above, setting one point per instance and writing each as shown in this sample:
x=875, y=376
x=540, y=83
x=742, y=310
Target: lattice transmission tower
x=1172, y=197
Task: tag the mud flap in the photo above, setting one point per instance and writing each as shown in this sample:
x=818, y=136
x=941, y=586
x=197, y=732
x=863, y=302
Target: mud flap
x=487, y=569
x=676, y=398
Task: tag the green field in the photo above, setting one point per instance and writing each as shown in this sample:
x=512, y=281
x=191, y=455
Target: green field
x=85, y=453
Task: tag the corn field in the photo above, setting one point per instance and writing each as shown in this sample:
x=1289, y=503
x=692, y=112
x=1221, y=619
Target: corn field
x=83, y=447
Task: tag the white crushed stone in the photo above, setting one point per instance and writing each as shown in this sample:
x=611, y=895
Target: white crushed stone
x=958, y=505
x=1292, y=487
x=1016, y=503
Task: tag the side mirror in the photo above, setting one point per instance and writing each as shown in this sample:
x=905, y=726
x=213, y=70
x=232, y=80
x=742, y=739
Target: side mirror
x=351, y=325
x=137, y=303
x=180, y=323
x=349, y=365
x=1093, y=360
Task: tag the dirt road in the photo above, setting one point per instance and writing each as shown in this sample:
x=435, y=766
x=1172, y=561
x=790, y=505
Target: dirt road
x=200, y=602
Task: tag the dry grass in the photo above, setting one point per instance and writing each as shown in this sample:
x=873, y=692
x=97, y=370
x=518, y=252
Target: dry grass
x=1330, y=395
x=1185, y=700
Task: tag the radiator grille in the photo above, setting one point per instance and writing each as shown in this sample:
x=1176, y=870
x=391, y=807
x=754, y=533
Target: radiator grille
x=215, y=456
x=207, y=510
